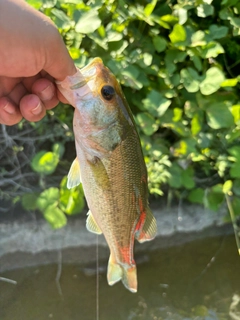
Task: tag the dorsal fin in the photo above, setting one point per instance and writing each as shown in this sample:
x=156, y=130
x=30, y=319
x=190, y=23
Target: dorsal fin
x=74, y=175
x=91, y=224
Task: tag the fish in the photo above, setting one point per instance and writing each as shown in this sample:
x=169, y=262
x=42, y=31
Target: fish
x=110, y=165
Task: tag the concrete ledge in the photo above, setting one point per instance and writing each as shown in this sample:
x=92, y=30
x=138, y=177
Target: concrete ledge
x=28, y=241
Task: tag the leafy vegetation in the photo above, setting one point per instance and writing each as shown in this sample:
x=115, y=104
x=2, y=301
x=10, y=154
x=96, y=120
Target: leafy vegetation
x=178, y=63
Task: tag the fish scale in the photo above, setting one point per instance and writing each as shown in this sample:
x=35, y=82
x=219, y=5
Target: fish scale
x=111, y=167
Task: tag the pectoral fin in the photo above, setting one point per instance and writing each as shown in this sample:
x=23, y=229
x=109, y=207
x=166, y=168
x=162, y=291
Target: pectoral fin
x=146, y=229
x=74, y=176
x=91, y=224
x=100, y=173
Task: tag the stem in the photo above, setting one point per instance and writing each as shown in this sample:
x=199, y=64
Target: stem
x=235, y=227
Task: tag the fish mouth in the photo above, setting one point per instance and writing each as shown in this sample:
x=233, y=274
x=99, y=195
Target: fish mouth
x=88, y=72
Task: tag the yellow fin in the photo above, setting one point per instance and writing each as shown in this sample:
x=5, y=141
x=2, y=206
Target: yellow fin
x=126, y=273
x=74, y=176
x=91, y=224
x=149, y=229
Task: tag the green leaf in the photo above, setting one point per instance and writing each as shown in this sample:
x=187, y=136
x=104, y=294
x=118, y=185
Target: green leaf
x=196, y=124
x=169, y=18
x=229, y=83
x=197, y=62
x=208, y=86
x=29, y=201
x=156, y=103
x=235, y=170
x=235, y=152
x=212, y=50
x=61, y=19
x=177, y=114
x=147, y=123
x=159, y=43
x=130, y=77
x=227, y=186
x=55, y=217
x=178, y=34
x=188, y=178
x=184, y=147
x=219, y=116
x=229, y=3
x=175, y=55
x=150, y=7
x=235, y=110
x=88, y=22
x=217, y=32
x=49, y=3
x=204, y=10
x=74, y=53
x=189, y=78
x=71, y=201
x=175, y=180
x=58, y=149
x=196, y=195
x=236, y=187
x=147, y=59
x=235, y=21
x=224, y=14
x=45, y=162
x=236, y=206
x=113, y=36
x=198, y=38
x=48, y=197
x=35, y=3
x=182, y=15
x=213, y=200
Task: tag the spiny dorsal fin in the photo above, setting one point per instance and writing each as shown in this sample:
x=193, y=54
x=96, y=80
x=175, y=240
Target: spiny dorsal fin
x=74, y=175
x=149, y=229
x=91, y=224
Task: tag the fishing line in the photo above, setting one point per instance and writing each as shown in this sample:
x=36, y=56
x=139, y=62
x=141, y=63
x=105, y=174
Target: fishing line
x=97, y=280
x=206, y=268
x=8, y=280
x=59, y=273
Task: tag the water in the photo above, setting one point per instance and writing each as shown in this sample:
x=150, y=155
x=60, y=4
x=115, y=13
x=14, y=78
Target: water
x=198, y=280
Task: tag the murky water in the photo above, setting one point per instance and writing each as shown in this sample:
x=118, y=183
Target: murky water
x=198, y=280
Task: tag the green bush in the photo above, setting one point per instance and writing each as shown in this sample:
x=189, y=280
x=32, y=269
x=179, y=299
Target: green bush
x=177, y=62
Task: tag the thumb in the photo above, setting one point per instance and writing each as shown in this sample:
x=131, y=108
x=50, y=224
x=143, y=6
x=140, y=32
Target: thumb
x=58, y=63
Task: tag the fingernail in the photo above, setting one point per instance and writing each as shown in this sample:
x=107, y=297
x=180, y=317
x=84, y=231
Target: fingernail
x=47, y=93
x=37, y=110
x=9, y=108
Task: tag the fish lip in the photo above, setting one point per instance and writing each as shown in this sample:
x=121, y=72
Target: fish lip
x=88, y=73
x=78, y=85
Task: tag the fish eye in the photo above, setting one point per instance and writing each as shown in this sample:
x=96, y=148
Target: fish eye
x=108, y=92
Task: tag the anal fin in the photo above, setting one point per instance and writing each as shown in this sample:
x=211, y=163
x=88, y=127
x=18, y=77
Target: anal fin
x=91, y=224
x=74, y=175
x=148, y=231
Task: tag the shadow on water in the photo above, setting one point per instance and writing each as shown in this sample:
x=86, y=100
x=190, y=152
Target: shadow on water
x=197, y=280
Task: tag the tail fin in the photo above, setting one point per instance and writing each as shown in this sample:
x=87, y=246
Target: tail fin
x=126, y=273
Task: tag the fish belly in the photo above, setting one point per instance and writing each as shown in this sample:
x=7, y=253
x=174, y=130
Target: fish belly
x=114, y=186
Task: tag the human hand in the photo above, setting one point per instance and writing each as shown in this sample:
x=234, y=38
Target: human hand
x=32, y=56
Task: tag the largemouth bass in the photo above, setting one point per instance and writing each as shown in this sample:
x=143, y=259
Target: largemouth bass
x=113, y=172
